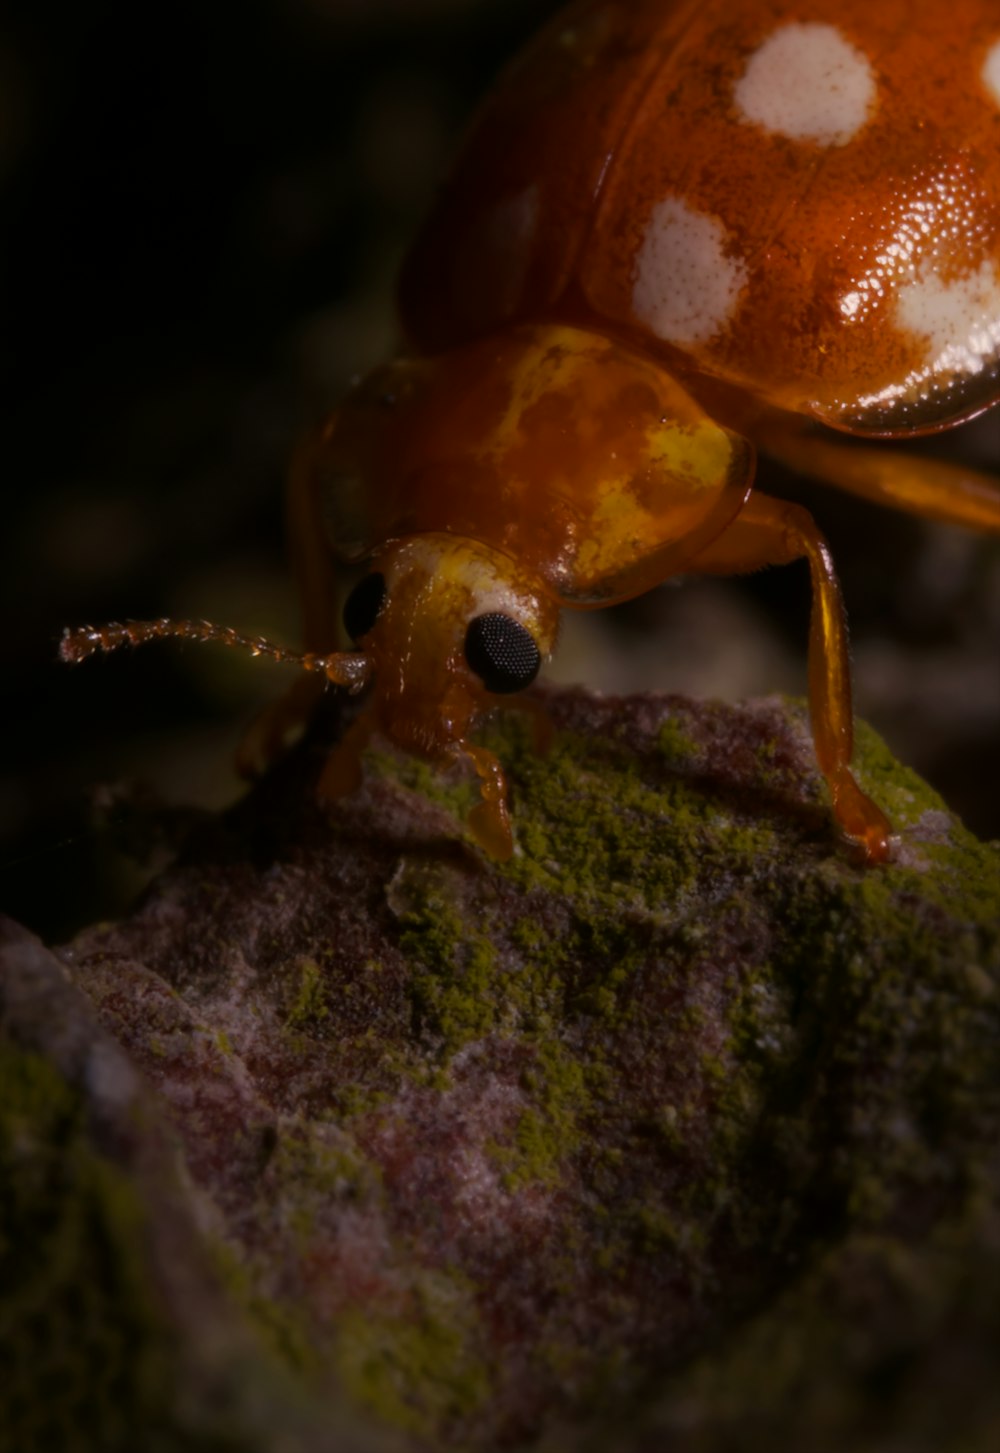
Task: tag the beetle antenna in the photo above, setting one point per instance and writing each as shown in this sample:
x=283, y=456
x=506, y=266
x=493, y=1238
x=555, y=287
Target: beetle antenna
x=347, y=668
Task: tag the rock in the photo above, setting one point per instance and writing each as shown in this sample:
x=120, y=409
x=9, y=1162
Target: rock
x=680, y=1129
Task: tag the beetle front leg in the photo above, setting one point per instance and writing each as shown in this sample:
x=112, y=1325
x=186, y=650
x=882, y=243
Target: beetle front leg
x=771, y=532
x=489, y=821
x=269, y=733
x=342, y=771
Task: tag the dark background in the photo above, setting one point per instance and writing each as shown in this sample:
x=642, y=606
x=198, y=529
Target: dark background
x=203, y=210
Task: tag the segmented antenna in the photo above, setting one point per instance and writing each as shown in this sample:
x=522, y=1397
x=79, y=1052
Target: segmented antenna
x=347, y=668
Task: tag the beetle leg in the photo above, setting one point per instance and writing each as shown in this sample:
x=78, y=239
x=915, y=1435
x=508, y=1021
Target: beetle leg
x=342, y=772
x=268, y=734
x=771, y=532
x=489, y=821
x=932, y=488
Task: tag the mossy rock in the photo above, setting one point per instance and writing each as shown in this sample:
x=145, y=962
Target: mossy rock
x=680, y=1129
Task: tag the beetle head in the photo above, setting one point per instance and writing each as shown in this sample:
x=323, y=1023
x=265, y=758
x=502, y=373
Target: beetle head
x=447, y=626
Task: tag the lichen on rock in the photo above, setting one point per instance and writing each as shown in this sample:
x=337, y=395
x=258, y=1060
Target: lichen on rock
x=678, y=1124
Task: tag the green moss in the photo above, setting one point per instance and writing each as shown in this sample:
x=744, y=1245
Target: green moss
x=451, y=986
x=561, y=1086
x=468, y=984
x=676, y=744
x=461, y=1006
x=420, y=1368
x=528, y=936
x=309, y=1005
x=903, y=795
x=282, y=1325
x=592, y=827
x=814, y=1369
x=713, y=1041
x=320, y=1172
x=603, y=838
x=455, y=791
x=85, y=1358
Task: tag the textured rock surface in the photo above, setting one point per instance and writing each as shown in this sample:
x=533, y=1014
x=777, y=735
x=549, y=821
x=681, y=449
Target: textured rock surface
x=681, y=1124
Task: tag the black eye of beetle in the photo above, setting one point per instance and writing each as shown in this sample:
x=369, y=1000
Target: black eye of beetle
x=364, y=605
x=501, y=652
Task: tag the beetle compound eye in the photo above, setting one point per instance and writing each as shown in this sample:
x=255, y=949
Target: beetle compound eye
x=501, y=652
x=363, y=606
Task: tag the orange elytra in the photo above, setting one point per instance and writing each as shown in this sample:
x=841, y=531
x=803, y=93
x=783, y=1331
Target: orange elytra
x=680, y=232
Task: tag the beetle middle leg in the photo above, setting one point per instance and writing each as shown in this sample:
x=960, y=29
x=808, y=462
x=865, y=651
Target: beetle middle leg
x=932, y=488
x=771, y=532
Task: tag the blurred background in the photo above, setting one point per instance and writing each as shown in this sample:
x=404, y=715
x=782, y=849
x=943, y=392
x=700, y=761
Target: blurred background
x=203, y=210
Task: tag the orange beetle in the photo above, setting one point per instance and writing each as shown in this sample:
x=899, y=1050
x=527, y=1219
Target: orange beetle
x=680, y=231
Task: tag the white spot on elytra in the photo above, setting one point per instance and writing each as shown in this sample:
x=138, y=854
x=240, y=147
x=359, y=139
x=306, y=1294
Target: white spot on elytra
x=991, y=71
x=807, y=83
x=961, y=322
x=686, y=287
x=935, y=218
x=960, y=319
